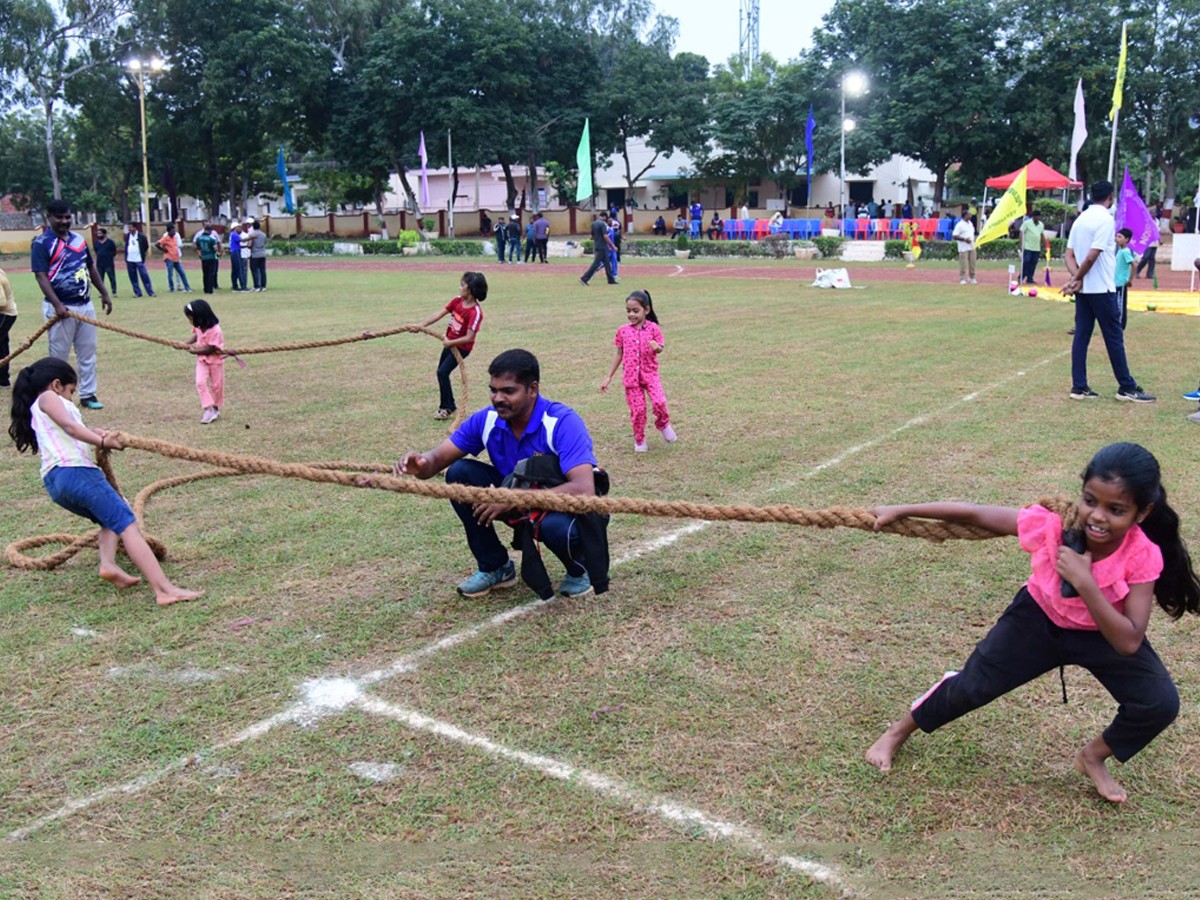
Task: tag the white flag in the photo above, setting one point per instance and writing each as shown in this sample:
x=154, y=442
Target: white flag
x=1079, y=134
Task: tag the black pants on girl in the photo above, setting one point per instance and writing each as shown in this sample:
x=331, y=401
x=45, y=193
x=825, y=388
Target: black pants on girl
x=1024, y=644
x=446, y=365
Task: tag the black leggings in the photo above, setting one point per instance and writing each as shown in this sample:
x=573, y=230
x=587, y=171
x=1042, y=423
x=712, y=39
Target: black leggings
x=446, y=365
x=1024, y=644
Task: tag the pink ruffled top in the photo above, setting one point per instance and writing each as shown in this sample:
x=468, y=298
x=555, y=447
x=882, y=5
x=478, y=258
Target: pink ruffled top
x=1138, y=560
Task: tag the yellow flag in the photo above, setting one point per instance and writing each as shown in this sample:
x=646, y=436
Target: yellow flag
x=1011, y=205
x=1119, y=87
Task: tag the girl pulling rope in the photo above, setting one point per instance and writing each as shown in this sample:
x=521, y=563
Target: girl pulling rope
x=45, y=419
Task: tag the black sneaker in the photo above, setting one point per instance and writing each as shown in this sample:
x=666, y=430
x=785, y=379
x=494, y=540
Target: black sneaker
x=1083, y=394
x=1137, y=395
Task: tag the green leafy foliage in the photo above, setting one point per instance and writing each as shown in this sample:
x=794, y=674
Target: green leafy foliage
x=829, y=246
x=449, y=247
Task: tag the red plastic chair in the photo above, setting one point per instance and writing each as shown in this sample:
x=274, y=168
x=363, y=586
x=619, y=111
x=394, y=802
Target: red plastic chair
x=881, y=229
x=761, y=227
x=862, y=229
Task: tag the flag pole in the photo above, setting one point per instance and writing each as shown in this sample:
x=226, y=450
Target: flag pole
x=1112, y=146
x=450, y=177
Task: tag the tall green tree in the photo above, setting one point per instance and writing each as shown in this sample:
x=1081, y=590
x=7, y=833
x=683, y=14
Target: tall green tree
x=46, y=45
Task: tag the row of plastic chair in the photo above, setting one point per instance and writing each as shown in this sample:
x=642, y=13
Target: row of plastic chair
x=859, y=229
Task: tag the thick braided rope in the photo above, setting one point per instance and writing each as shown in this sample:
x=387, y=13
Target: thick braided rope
x=349, y=474
x=247, y=351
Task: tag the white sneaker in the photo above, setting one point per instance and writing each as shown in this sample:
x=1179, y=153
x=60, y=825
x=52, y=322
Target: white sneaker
x=973, y=281
x=641, y=448
x=209, y=415
x=962, y=281
x=668, y=434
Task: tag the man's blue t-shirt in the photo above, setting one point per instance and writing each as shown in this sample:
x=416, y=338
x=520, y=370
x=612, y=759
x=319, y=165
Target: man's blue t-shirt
x=235, y=243
x=66, y=264
x=553, y=428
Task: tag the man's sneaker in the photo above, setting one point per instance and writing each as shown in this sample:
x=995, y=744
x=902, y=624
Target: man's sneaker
x=1083, y=394
x=1137, y=395
x=962, y=281
x=584, y=283
x=481, y=583
x=1192, y=395
x=91, y=403
x=576, y=586
x=668, y=434
x=1195, y=417
x=973, y=281
x=443, y=414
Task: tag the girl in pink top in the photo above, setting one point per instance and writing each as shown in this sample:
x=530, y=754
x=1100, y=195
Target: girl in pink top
x=638, y=345
x=208, y=344
x=1132, y=555
x=46, y=421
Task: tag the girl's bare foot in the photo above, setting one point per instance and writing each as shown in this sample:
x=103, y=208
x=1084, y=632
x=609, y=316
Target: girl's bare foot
x=175, y=595
x=880, y=753
x=1091, y=764
x=118, y=577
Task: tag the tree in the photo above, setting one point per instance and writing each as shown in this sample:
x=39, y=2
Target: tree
x=44, y=46
x=232, y=94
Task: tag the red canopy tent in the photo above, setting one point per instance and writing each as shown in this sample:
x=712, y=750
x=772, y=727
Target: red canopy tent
x=1040, y=178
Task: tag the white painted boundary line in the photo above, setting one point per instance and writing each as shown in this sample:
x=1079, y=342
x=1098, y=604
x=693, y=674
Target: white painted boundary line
x=615, y=788
x=318, y=706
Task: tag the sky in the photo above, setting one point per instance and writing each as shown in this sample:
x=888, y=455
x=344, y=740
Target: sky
x=711, y=27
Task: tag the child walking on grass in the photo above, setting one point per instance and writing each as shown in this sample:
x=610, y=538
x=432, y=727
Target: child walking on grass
x=1088, y=608
x=466, y=318
x=208, y=344
x=46, y=420
x=638, y=345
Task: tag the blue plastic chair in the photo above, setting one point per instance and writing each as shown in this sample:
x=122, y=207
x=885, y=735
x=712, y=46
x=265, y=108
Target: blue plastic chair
x=731, y=229
x=897, y=230
x=945, y=229
x=848, y=227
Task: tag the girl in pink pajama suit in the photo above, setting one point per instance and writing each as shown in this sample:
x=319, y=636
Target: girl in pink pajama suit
x=638, y=345
x=208, y=345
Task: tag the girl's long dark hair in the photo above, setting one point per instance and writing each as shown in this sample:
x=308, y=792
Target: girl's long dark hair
x=1177, y=589
x=33, y=381
x=201, y=314
x=643, y=299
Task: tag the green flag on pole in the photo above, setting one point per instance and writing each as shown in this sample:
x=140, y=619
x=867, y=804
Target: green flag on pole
x=583, y=161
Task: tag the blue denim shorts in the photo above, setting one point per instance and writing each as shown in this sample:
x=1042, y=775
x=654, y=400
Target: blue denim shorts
x=86, y=492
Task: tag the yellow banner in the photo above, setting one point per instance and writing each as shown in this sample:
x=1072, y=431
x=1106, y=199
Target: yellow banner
x=1010, y=207
x=1119, y=87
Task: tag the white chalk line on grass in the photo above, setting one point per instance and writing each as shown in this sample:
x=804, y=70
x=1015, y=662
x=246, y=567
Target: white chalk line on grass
x=319, y=704
x=615, y=788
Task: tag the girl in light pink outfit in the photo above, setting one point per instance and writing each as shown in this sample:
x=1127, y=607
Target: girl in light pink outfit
x=638, y=345
x=208, y=345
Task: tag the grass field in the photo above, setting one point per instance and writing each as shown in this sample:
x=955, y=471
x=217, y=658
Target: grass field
x=697, y=731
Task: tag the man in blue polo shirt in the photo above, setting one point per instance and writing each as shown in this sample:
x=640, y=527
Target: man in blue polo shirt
x=519, y=423
x=63, y=266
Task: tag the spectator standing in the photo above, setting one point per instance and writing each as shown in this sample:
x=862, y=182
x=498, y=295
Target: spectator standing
x=907, y=211
x=697, y=219
x=530, y=242
x=964, y=234
x=237, y=265
x=541, y=235
x=8, y=318
x=1123, y=266
x=1034, y=244
x=514, y=239
x=501, y=236
x=169, y=245
x=63, y=267
x=1091, y=260
x=137, y=248
x=1148, y=260
x=106, y=258
x=208, y=248
x=258, y=256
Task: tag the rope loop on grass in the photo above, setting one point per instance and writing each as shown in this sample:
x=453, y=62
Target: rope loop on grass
x=375, y=476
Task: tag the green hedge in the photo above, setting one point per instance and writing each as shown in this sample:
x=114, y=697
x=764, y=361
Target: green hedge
x=300, y=247
x=1001, y=248
x=449, y=247
x=774, y=246
x=381, y=248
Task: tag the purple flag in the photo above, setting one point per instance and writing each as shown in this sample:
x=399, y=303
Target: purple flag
x=1133, y=214
x=424, y=171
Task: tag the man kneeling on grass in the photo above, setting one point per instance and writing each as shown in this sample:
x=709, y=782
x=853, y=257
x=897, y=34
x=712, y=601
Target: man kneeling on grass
x=521, y=425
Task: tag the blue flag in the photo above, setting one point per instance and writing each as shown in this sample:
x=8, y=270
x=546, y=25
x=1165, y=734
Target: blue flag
x=281, y=168
x=808, y=151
